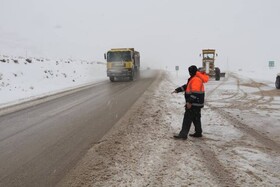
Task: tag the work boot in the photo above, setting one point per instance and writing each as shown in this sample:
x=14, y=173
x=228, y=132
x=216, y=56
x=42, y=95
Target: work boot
x=180, y=137
x=196, y=135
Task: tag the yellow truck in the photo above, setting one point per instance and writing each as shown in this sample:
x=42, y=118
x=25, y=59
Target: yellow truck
x=208, y=64
x=122, y=63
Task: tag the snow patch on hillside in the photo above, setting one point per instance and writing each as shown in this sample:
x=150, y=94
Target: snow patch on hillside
x=23, y=78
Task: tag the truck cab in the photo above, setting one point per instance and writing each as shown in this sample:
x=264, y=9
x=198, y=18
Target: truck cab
x=122, y=62
x=208, y=64
x=208, y=59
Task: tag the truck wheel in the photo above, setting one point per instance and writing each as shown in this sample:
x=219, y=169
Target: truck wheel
x=217, y=74
x=112, y=79
x=131, y=76
x=277, y=82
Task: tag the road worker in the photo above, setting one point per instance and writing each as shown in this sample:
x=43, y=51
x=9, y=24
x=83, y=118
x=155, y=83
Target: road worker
x=194, y=95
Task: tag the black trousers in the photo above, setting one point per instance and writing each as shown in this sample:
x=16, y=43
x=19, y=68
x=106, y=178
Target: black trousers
x=192, y=115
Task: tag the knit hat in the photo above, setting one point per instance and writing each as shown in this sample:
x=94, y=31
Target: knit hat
x=192, y=70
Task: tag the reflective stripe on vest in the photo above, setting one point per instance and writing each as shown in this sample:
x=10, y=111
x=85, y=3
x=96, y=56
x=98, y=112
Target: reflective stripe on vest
x=197, y=104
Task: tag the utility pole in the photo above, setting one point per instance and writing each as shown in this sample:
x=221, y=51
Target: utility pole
x=227, y=65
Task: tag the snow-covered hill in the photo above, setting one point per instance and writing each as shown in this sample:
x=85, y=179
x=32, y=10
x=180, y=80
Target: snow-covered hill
x=24, y=78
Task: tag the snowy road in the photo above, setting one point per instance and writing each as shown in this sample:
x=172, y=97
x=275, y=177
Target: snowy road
x=240, y=146
x=41, y=143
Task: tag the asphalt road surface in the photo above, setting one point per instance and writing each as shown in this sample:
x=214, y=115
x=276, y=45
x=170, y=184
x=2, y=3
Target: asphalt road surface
x=40, y=144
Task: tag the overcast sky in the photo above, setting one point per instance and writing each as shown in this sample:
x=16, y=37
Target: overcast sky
x=165, y=32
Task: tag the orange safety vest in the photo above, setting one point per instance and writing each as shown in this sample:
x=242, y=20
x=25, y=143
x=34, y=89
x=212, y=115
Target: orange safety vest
x=195, y=89
x=195, y=86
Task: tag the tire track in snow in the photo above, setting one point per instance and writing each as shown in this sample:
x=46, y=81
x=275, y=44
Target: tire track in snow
x=267, y=142
x=247, y=102
x=214, y=165
x=250, y=102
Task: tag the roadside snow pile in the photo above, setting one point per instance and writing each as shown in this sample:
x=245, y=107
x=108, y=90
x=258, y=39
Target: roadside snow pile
x=22, y=78
x=266, y=75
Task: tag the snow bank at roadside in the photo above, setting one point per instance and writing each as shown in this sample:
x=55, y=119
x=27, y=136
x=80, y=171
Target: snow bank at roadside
x=22, y=78
x=265, y=75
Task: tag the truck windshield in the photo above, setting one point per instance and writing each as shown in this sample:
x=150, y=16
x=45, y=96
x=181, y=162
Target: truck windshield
x=118, y=56
x=208, y=56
